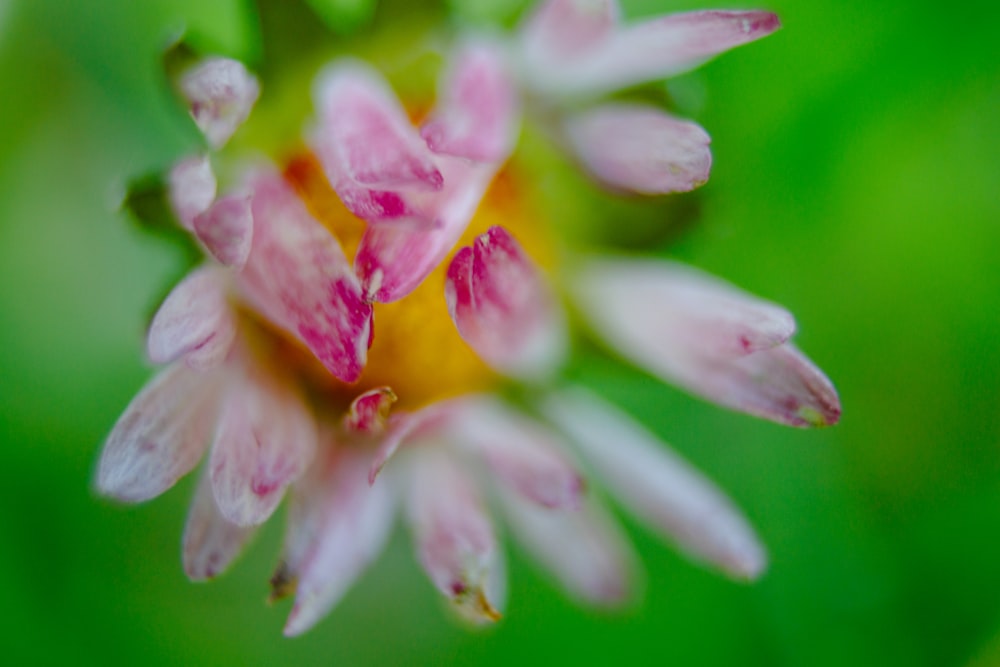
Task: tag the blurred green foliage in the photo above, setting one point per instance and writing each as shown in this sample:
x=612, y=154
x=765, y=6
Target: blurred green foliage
x=856, y=181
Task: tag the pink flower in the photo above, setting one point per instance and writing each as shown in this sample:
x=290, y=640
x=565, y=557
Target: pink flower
x=343, y=341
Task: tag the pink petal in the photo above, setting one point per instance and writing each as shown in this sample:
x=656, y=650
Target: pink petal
x=195, y=322
x=655, y=49
x=226, y=229
x=706, y=336
x=160, y=437
x=584, y=549
x=265, y=441
x=221, y=93
x=191, y=188
x=561, y=30
x=522, y=454
x=369, y=412
x=393, y=260
x=337, y=525
x=503, y=308
x=477, y=115
x=297, y=276
x=658, y=485
x=640, y=148
x=453, y=533
x=210, y=542
x=368, y=132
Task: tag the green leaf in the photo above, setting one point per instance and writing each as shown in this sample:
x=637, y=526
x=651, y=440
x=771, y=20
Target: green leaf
x=344, y=16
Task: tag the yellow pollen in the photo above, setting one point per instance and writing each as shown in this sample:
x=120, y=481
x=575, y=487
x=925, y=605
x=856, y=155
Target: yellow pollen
x=417, y=351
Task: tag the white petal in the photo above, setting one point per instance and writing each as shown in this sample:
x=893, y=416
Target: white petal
x=195, y=321
x=265, y=440
x=654, y=49
x=477, y=113
x=640, y=148
x=160, y=437
x=191, y=188
x=658, y=485
x=337, y=526
x=707, y=336
x=210, y=542
x=521, y=453
x=584, y=549
x=226, y=229
x=366, y=129
x=221, y=93
x=453, y=533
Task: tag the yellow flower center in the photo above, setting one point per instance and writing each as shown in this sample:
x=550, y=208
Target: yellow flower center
x=417, y=351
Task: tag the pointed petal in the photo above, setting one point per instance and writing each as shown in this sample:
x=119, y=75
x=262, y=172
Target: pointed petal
x=297, y=275
x=453, y=533
x=584, y=549
x=706, y=336
x=393, y=260
x=191, y=188
x=226, y=229
x=368, y=132
x=678, y=306
x=160, y=437
x=221, y=93
x=478, y=113
x=503, y=308
x=658, y=485
x=265, y=441
x=369, y=412
x=210, y=542
x=195, y=322
x=655, y=49
x=337, y=526
x=640, y=148
x=560, y=30
x=522, y=454
x=780, y=384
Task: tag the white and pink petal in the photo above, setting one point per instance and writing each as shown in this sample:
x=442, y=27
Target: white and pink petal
x=195, y=322
x=337, y=526
x=393, y=260
x=367, y=133
x=714, y=340
x=503, y=307
x=191, y=188
x=639, y=148
x=226, y=230
x=221, y=93
x=658, y=485
x=477, y=114
x=297, y=276
x=519, y=452
x=654, y=49
x=161, y=435
x=453, y=533
x=265, y=441
x=561, y=30
x=210, y=542
x=584, y=550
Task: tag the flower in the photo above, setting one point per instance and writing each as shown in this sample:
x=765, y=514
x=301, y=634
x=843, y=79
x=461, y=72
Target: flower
x=361, y=309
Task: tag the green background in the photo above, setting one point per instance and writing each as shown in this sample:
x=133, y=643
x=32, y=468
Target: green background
x=856, y=181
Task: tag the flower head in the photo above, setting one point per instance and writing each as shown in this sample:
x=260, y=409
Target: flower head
x=360, y=308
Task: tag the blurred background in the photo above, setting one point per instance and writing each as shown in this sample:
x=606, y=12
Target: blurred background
x=856, y=181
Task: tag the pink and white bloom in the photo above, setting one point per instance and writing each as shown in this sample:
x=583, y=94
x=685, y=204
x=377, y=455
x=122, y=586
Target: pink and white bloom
x=278, y=369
